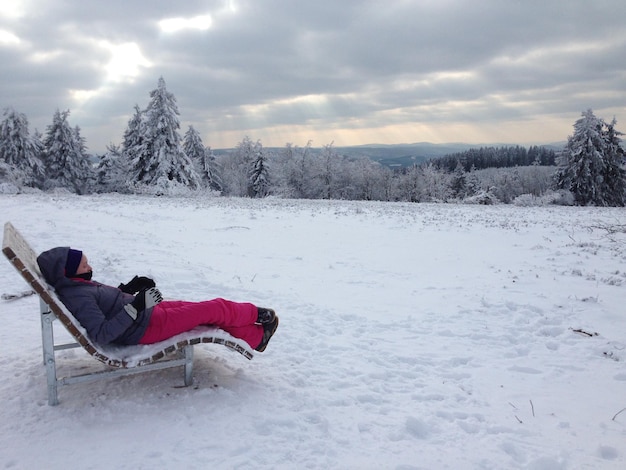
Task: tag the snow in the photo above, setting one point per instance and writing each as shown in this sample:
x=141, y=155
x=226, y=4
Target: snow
x=412, y=336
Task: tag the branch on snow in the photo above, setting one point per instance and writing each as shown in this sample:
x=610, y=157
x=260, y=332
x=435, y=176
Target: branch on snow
x=610, y=229
x=615, y=416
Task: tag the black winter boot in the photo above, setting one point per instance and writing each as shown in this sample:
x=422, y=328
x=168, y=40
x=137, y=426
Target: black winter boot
x=268, y=331
x=265, y=315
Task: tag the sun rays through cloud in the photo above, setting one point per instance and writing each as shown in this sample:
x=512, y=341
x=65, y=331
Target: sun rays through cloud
x=126, y=61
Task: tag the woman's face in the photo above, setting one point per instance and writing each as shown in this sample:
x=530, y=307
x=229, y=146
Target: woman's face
x=83, y=267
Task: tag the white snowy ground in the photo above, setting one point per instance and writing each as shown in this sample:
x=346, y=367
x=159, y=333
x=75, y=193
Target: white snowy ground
x=412, y=336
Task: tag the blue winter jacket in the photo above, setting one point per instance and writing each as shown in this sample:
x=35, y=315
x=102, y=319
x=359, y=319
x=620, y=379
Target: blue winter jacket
x=99, y=308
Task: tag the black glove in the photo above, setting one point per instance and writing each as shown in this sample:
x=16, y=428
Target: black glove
x=136, y=284
x=145, y=299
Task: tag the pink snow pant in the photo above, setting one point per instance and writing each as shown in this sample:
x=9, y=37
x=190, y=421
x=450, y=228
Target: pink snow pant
x=172, y=317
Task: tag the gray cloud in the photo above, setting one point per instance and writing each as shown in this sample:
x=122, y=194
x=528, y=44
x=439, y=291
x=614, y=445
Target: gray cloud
x=350, y=71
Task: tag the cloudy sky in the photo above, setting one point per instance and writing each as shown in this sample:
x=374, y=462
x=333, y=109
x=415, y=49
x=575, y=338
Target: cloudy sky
x=344, y=71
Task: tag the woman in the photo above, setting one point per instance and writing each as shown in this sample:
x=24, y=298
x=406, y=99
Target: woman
x=135, y=313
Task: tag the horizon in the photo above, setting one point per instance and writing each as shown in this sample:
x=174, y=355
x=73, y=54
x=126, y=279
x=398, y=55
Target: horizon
x=416, y=144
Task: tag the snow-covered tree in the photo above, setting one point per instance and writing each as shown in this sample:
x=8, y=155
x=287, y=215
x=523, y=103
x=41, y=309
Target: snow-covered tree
x=259, y=175
x=66, y=163
x=132, y=145
x=210, y=171
x=509, y=185
x=458, y=185
x=193, y=145
x=291, y=171
x=21, y=152
x=435, y=184
x=158, y=158
x=8, y=183
x=111, y=171
x=589, y=165
x=203, y=159
x=236, y=167
x=366, y=179
x=472, y=182
x=614, y=173
x=85, y=162
x=328, y=172
x=409, y=184
x=389, y=184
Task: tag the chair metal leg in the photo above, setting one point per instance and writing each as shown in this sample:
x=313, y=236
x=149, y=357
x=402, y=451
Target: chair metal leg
x=47, y=339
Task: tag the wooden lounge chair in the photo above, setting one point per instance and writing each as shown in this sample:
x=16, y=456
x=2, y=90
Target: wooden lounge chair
x=121, y=360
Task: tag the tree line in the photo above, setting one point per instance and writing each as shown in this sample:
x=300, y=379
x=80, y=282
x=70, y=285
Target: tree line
x=154, y=158
x=497, y=157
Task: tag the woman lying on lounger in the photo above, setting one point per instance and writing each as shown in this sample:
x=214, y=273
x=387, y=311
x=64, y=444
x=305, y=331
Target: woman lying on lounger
x=135, y=313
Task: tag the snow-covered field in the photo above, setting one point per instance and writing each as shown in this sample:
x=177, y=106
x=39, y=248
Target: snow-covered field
x=413, y=336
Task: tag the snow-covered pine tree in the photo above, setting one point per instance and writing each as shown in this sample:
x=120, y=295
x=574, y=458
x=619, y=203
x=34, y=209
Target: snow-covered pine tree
x=211, y=171
x=614, y=173
x=587, y=162
x=85, y=166
x=66, y=163
x=203, y=159
x=132, y=145
x=459, y=181
x=259, y=175
x=161, y=161
x=111, y=171
x=472, y=183
x=192, y=144
x=21, y=152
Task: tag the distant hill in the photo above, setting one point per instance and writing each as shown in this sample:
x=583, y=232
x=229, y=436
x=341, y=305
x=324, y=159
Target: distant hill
x=404, y=155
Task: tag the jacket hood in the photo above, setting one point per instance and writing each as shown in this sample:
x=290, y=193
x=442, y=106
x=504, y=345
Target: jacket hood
x=52, y=265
